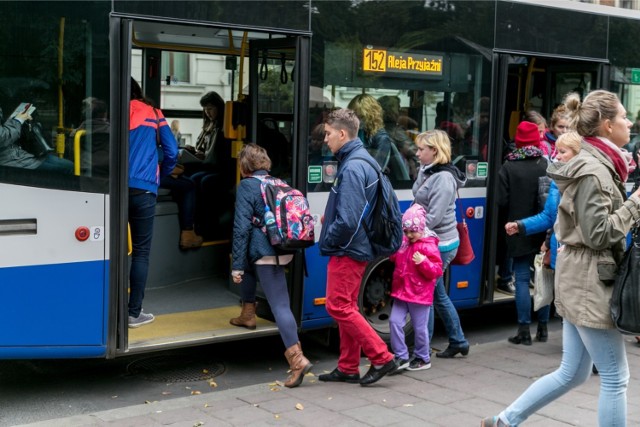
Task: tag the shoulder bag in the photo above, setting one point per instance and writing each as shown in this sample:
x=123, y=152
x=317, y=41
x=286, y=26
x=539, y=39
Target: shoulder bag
x=625, y=300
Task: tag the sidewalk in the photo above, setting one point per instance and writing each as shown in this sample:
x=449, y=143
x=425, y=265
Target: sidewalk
x=456, y=392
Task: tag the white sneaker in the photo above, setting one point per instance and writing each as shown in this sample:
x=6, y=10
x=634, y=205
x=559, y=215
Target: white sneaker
x=142, y=319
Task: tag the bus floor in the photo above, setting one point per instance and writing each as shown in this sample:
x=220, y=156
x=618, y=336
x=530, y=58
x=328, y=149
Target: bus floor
x=195, y=311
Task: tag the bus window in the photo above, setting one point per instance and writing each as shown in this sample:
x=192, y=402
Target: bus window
x=60, y=73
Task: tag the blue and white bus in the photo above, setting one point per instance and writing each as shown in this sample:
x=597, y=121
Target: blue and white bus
x=468, y=67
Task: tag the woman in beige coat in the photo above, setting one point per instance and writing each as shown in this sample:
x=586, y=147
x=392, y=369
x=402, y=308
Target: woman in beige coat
x=593, y=221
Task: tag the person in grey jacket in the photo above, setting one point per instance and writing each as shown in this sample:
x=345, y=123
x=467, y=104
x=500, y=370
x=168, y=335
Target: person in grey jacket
x=435, y=189
x=593, y=221
x=253, y=256
x=13, y=155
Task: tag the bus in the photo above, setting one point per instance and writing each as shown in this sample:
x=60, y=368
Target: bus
x=471, y=68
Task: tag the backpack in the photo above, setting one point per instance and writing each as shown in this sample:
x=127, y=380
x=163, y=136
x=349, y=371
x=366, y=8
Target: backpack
x=291, y=209
x=385, y=235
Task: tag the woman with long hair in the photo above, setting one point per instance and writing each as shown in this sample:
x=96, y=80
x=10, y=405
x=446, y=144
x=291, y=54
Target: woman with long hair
x=593, y=221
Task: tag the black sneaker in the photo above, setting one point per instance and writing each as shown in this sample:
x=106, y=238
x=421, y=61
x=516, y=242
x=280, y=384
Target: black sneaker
x=417, y=364
x=506, y=288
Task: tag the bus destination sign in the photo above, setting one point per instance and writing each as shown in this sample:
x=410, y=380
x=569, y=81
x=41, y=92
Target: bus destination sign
x=388, y=61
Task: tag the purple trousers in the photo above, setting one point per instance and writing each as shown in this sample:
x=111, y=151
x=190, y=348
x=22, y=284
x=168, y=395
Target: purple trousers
x=419, y=316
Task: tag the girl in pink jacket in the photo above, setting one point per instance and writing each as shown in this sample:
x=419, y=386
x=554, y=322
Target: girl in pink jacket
x=418, y=266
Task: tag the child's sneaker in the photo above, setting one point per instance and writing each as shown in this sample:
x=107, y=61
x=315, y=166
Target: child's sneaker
x=417, y=364
x=402, y=365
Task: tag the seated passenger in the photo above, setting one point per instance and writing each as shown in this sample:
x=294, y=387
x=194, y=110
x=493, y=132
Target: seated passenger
x=13, y=155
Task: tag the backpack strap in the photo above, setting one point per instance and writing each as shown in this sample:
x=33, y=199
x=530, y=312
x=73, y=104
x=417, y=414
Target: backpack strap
x=375, y=167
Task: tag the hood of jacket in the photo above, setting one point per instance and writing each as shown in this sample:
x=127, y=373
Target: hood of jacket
x=458, y=175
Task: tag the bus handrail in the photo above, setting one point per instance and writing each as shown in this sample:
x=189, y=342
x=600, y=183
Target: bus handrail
x=76, y=151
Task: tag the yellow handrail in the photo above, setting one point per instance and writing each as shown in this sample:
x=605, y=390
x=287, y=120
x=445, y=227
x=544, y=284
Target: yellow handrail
x=76, y=151
x=60, y=130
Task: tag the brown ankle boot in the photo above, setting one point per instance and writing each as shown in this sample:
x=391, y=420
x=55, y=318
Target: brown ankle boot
x=189, y=239
x=247, y=318
x=298, y=365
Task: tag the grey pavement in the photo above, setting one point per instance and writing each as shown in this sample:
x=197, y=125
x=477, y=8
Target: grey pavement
x=456, y=392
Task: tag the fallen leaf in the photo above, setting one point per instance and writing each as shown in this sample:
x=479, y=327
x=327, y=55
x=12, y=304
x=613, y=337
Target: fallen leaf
x=407, y=405
x=330, y=398
x=299, y=406
x=166, y=393
x=280, y=383
x=309, y=374
x=272, y=384
x=206, y=405
x=198, y=424
x=114, y=397
x=213, y=384
x=276, y=416
x=195, y=392
x=205, y=371
x=274, y=389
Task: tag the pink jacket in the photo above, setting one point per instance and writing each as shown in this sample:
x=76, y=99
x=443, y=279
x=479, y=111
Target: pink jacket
x=415, y=282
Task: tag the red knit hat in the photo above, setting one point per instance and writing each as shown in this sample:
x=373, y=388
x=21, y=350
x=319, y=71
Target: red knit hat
x=527, y=134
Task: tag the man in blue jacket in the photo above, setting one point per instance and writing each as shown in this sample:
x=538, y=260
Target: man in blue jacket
x=345, y=241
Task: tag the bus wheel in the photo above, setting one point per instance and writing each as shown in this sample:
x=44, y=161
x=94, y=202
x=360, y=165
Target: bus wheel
x=374, y=300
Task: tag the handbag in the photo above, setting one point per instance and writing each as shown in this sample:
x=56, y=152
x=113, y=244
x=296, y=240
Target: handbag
x=542, y=283
x=625, y=300
x=465, y=251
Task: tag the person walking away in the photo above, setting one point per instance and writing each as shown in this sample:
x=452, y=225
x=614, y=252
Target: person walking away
x=253, y=258
x=435, y=190
x=417, y=267
x=345, y=242
x=147, y=127
x=518, y=195
x=593, y=221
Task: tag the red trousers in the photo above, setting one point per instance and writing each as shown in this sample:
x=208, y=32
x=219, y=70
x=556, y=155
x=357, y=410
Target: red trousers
x=344, y=276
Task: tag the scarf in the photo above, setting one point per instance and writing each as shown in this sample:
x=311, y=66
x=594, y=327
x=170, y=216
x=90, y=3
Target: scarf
x=527, y=152
x=431, y=169
x=622, y=163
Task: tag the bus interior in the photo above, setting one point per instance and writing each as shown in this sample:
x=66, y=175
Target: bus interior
x=190, y=291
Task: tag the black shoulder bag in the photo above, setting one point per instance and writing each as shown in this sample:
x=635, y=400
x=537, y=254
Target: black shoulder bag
x=625, y=301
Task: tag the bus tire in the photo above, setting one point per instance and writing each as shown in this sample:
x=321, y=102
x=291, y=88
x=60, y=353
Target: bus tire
x=374, y=299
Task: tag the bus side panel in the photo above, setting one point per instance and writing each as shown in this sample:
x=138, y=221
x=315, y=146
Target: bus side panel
x=465, y=280
x=53, y=305
x=315, y=286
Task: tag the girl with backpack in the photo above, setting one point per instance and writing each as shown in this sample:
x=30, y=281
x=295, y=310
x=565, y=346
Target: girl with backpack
x=253, y=256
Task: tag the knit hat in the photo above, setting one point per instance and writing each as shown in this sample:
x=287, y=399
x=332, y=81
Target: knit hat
x=527, y=134
x=414, y=219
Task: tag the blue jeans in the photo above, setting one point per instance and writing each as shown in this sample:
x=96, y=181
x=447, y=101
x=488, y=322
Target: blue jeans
x=142, y=209
x=522, y=269
x=54, y=163
x=447, y=312
x=505, y=269
x=274, y=285
x=581, y=346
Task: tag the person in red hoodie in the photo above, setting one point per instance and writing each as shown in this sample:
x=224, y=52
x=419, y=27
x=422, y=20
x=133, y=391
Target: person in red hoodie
x=418, y=266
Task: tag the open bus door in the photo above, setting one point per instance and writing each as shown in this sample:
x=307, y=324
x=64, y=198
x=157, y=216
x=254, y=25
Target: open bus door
x=279, y=99
x=189, y=291
x=523, y=83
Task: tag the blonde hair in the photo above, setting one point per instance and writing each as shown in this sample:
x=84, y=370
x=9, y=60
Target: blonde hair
x=570, y=140
x=439, y=140
x=368, y=109
x=253, y=158
x=587, y=116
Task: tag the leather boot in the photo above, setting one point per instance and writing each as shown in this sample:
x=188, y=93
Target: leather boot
x=247, y=318
x=298, y=365
x=522, y=337
x=542, y=335
x=189, y=239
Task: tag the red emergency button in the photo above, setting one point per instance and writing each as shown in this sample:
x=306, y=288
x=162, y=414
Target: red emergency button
x=82, y=233
x=470, y=212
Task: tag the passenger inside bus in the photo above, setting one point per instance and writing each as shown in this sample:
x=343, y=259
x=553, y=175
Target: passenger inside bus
x=214, y=173
x=405, y=145
x=94, y=145
x=12, y=153
x=376, y=139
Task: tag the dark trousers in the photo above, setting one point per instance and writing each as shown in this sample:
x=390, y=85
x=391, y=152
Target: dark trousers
x=142, y=209
x=183, y=192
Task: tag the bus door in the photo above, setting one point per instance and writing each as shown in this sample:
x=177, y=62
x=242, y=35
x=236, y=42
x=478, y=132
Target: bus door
x=278, y=88
x=523, y=84
x=53, y=216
